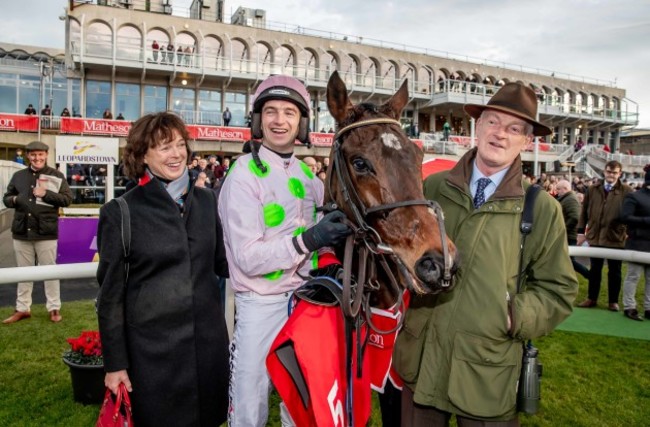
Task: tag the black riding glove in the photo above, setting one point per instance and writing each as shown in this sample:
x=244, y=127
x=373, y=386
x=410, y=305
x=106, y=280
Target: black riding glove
x=330, y=231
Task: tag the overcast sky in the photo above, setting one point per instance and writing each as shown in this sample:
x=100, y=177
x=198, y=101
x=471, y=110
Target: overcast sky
x=599, y=39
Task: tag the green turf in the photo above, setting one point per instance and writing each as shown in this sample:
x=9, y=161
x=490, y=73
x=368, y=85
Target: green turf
x=601, y=321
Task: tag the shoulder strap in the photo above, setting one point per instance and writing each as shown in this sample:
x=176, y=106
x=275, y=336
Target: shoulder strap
x=526, y=226
x=126, y=234
x=528, y=214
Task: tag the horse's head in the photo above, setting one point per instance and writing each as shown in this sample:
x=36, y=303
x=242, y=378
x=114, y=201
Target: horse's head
x=375, y=178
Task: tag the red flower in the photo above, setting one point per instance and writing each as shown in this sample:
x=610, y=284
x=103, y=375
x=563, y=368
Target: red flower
x=85, y=349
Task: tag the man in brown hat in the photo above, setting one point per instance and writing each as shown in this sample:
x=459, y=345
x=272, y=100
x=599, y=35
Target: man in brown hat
x=461, y=352
x=36, y=193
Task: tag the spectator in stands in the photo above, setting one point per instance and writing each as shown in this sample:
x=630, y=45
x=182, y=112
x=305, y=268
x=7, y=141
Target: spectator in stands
x=330, y=130
x=188, y=56
x=461, y=351
x=36, y=193
x=446, y=130
x=65, y=112
x=600, y=226
x=571, y=212
x=179, y=55
x=163, y=331
x=265, y=204
x=154, y=50
x=119, y=117
x=96, y=177
x=170, y=53
x=249, y=119
x=107, y=114
x=46, y=114
x=30, y=110
x=326, y=163
x=19, y=158
x=163, y=54
x=227, y=116
x=636, y=215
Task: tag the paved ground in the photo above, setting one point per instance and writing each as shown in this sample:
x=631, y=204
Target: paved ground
x=71, y=289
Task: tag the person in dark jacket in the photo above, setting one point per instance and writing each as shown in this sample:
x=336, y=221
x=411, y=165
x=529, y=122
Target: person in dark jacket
x=163, y=331
x=571, y=213
x=36, y=193
x=460, y=353
x=600, y=225
x=636, y=215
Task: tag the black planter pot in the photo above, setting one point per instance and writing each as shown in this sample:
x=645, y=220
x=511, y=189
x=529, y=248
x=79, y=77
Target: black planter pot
x=87, y=382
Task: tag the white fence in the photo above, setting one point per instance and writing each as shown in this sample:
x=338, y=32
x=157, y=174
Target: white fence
x=7, y=170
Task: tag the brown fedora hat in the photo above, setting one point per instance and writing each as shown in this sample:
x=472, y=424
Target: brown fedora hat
x=515, y=99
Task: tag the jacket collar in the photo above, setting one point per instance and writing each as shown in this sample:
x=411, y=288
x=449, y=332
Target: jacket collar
x=511, y=186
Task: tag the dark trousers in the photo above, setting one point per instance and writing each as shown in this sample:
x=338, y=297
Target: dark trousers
x=390, y=403
x=579, y=268
x=613, y=278
x=414, y=415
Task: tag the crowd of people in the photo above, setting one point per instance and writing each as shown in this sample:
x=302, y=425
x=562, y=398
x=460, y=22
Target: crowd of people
x=197, y=220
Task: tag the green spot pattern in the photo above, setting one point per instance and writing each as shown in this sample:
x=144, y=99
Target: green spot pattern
x=306, y=170
x=273, y=214
x=256, y=171
x=314, y=260
x=297, y=188
x=275, y=275
x=299, y=231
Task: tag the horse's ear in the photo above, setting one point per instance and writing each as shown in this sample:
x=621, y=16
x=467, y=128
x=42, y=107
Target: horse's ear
x=397, y=102
x=337, y=98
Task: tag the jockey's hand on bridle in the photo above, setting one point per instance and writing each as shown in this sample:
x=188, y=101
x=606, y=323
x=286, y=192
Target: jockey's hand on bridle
x=330, y=231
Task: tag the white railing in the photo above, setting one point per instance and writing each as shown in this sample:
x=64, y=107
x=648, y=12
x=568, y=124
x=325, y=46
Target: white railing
x=7, y=170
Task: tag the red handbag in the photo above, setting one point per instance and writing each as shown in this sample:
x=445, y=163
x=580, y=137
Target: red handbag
x=116, y=410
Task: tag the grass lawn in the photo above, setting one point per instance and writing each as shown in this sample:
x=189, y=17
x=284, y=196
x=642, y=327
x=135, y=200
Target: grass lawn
x=589, y=380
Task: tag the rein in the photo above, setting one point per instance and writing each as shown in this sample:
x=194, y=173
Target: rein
x=373, y=249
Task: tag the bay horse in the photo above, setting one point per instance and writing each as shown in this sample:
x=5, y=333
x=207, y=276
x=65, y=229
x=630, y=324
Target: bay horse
x=375, y=179
x=399, y=242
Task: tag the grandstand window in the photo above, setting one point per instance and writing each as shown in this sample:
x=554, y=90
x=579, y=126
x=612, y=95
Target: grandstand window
x=129, y=43
x=28, y=91
x=9, y=94
x=183, y=103
x=127, y=100
x=236, y=102
x=155, y=99
x=98, y=98
x=209, y=107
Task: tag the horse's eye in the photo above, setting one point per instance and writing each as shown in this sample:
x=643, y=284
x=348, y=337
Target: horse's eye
x=361, y=165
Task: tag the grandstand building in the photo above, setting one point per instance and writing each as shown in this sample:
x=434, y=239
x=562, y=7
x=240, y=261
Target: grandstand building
x=132, y=57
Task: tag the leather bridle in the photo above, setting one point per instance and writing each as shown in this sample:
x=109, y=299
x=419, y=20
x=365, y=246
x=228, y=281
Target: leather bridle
x=373, y=249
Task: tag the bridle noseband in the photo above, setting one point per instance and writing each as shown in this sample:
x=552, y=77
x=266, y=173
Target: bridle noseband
x=364, y=232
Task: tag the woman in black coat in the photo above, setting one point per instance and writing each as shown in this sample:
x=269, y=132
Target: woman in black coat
x=163, y=331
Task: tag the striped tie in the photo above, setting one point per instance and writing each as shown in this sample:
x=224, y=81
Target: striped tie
x=479, y=197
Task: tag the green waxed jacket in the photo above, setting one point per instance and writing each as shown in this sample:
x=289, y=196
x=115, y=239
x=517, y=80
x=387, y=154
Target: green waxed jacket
x=455, y=351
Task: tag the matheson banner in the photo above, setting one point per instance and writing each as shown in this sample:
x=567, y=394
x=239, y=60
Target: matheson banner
x=87, y=150
x=18, y=122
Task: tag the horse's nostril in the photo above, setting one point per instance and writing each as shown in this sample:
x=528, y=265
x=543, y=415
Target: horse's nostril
x=427, y=270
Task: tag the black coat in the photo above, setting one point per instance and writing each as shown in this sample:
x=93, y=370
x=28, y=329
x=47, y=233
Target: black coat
x=636, y=214
x=32, y=220
x=166, y=325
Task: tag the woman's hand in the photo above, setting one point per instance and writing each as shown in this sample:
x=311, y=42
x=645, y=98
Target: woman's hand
x=113, y=380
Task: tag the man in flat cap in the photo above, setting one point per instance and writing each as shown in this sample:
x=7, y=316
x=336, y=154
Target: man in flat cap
x=36, y=193
x=460, y=353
